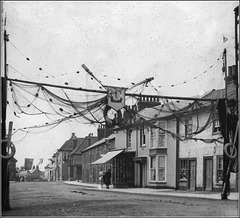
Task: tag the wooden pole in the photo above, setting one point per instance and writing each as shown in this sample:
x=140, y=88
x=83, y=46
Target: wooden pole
x=4, y=87
x=236, y=10
x=159, y=97
x=5, y=173
x=225, y=69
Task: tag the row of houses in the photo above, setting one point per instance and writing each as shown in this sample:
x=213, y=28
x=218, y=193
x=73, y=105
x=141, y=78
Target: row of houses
x=172, y=144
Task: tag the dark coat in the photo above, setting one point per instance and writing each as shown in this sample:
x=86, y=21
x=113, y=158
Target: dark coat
x=107, y=178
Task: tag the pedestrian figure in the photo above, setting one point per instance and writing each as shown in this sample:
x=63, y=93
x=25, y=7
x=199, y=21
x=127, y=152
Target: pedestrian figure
x=107, y=178
x=101, y=177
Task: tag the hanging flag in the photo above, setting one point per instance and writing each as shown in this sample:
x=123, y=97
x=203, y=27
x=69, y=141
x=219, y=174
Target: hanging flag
x=28, y=163
x=116, y=97
x=225, y=39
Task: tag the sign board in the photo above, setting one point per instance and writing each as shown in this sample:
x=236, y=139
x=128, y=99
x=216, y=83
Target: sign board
x=116, y=97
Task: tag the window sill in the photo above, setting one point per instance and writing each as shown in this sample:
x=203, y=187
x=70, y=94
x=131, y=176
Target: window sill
x=158, y=182
x=158, y=148
x=182, y=180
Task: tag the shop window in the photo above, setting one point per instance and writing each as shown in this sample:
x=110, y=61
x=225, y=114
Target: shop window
x=162, y=168
x=219, y=169
x=153, y=168
x=216, y=123
x=162, y=134
x=142, y=136
x=188, y=127
x=183, y=169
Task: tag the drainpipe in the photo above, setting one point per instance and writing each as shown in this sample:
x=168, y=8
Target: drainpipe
x=177, y=152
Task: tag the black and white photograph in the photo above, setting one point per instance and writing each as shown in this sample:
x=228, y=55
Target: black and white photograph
x=120, y=109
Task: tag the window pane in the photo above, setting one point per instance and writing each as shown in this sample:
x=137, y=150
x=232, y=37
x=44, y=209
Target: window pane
x=161, y=140
x=183, y=173
x=153, y=132
x=161, y=168
x=153, y=168
x=161, y=162
x=153, y=160
x=161, y=174
x=162, y=126
x=153, y=174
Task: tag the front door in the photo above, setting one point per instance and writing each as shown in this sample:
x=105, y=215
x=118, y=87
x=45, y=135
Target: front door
x=192, y=174
x=79, y=173
x=208, y=179
x=141, y=175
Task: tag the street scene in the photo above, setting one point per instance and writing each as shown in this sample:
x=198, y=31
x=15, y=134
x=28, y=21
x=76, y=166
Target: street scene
x=117, y=108
x=60, y=199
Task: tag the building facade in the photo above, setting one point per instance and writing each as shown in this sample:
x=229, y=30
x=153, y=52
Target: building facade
x=75, y=157
x=180, y=147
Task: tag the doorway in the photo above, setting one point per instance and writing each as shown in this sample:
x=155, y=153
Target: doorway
x=192, y=175
x=208, y=173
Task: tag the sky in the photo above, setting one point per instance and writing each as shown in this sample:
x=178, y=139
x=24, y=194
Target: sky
x=120, y=42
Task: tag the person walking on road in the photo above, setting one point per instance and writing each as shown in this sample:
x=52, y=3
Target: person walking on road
x=107, y=178
x=101, y=176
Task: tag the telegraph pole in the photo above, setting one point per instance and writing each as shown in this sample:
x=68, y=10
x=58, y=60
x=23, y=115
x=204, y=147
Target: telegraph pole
x=5, y=173
x=4, y=87
x=225, y=69
x=236, y=11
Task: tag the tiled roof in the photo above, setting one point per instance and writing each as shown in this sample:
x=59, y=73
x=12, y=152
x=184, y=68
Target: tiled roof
x=68, y=146
x=101, y=141
x=160, y=111
x=220, y=93
x=80, y=145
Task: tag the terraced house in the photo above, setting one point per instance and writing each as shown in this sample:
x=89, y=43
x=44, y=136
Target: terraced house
x=66, y=163
x=174, y=144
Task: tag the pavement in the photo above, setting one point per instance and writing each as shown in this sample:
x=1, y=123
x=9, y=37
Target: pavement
x=160, y=192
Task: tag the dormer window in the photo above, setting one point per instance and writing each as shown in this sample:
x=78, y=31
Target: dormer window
x=65, y=156
x=216, y=123
x=188, y=127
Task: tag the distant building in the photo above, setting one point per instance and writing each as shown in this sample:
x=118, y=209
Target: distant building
x=66, y=163
x=31, y=176
x=75, y=156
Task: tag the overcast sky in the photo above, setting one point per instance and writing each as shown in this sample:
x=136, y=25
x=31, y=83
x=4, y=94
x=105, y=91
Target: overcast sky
x=174, y=42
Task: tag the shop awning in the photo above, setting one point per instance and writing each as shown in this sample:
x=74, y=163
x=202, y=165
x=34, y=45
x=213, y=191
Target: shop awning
x=108, y=156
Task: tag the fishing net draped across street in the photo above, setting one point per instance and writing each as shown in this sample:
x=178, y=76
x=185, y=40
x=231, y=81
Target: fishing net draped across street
x=32, y=99
x=62, y=106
